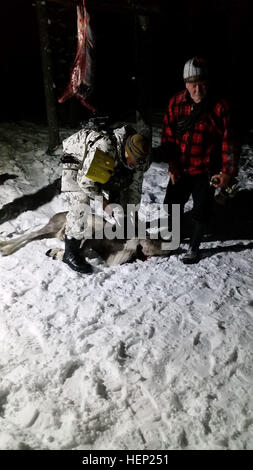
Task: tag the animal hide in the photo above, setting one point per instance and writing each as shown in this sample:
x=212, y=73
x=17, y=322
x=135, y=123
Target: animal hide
x=113, y=252
x=82, y=72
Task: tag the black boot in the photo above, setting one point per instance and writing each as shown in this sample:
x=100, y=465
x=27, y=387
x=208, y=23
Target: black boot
x=192, y=255
x=73, y=258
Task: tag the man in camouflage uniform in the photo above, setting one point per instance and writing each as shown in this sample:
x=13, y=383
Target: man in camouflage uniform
x=129, y=152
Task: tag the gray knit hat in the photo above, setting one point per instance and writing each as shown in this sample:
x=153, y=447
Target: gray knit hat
x=195, y=68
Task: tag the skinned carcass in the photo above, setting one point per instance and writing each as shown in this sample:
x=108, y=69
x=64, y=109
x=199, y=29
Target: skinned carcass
x=82, y=72
x=113, y=252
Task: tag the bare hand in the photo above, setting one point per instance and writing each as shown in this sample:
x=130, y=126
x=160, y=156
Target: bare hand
x=173, y=177
x=107, y=208
x=223, y=180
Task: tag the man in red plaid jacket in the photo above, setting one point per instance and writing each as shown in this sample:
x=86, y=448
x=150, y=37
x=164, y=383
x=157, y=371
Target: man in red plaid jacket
x=199, y=145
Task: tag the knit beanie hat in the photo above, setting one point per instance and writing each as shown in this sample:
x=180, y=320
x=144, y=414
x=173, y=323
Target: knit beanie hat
x=195, y=68
x=137, y=147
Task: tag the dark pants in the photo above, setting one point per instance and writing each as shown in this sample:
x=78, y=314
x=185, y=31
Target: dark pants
x=203, y=195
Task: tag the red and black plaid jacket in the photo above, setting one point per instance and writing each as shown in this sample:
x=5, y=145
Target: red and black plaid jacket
x=209, y=147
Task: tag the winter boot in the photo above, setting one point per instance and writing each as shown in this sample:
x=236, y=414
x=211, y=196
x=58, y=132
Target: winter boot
x=192, y=255
x=73, y=258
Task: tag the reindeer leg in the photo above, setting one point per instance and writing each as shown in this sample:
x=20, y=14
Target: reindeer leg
x=9, y=247
x=55, y=253
x=52, y=229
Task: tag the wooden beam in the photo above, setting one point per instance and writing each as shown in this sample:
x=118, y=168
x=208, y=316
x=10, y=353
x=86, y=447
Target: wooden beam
x=143, y=52
x=67, y=3
x=53, y=131
x=114, y=5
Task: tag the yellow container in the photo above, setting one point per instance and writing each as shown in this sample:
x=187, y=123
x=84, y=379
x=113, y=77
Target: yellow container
x=101, y=167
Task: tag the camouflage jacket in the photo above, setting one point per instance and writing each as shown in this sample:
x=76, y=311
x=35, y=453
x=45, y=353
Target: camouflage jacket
x=125, y=185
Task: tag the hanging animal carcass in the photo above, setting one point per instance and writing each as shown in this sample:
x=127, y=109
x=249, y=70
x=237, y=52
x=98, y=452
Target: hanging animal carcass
x=82, y=72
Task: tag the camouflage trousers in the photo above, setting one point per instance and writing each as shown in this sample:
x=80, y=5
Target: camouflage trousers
x=77, y=218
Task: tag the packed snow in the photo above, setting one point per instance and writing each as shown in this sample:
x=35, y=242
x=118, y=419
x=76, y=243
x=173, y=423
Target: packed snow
x=148, y=355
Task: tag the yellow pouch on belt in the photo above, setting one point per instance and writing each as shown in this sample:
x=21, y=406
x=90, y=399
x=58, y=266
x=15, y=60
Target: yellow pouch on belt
x=101, y=167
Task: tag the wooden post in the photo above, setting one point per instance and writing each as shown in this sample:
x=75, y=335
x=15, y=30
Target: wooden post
x=53, y=131
x=143, y=74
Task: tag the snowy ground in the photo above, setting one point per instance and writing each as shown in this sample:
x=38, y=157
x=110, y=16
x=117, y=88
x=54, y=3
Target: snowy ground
x=153, y=355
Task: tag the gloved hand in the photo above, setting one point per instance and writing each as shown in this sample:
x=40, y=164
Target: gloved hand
x=67, y=158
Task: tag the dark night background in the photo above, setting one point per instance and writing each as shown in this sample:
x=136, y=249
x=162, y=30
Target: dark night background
x=219, y=30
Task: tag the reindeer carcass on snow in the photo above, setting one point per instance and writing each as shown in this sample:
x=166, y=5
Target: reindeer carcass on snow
x=113, y=252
